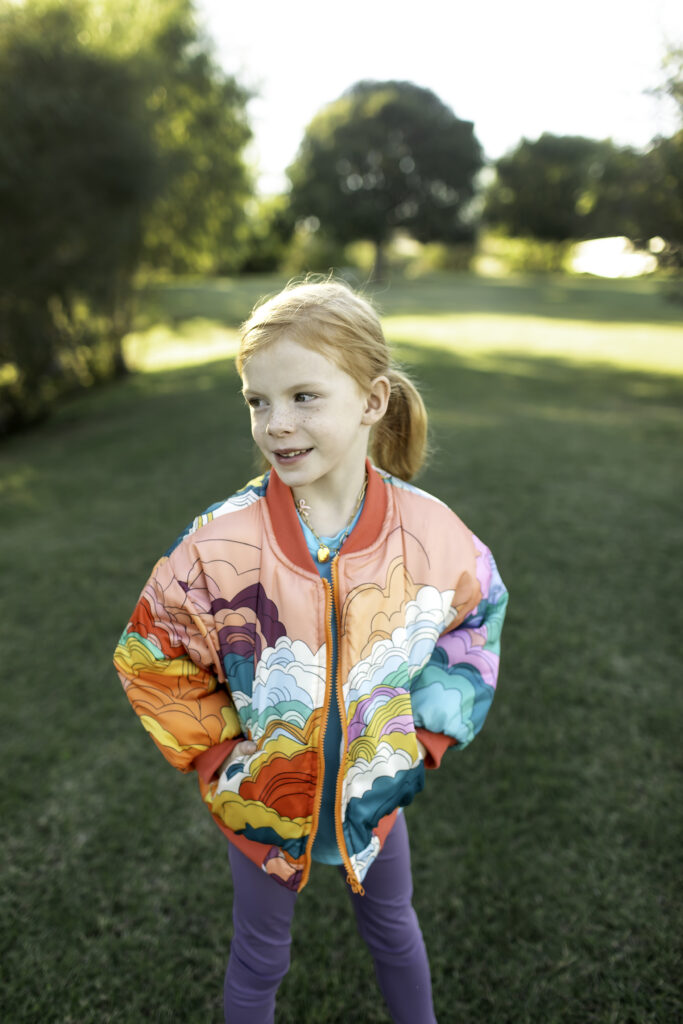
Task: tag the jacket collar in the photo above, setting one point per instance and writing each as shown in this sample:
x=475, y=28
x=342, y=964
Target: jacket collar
x=287, y=529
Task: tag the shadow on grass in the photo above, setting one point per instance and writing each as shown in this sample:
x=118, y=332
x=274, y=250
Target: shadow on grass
x=229, y=301
x=182, y=419
x=551, y=296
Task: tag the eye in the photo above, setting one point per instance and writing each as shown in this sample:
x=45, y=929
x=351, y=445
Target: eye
x=253, y=402
x=304, y=396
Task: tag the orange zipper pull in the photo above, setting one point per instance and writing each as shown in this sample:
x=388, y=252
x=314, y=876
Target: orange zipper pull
x=356, y=887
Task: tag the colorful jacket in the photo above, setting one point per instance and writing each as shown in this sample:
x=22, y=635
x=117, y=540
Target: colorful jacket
x=230, y=640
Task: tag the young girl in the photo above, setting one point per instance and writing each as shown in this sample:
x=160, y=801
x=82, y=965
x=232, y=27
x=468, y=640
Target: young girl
x=312, y=643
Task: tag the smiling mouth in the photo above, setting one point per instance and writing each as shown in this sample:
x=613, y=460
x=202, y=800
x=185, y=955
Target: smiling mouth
x=291, y=453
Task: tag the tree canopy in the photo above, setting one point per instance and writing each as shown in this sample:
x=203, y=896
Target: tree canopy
x=661, y=206
x=200, y=127
x=546, y=189
x=663, y=213
x=78, y=168
x=387, y=155
x=120, y=141
x=672, y=81
x=562, y=188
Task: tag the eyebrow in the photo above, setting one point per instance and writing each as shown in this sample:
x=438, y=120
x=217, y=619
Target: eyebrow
x=305, y=386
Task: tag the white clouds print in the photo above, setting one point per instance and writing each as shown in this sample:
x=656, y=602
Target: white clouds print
x=289, y=685
x=387, y=761
x=408, y=647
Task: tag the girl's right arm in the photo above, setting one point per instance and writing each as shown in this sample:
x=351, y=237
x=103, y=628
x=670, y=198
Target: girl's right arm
x=172, y=676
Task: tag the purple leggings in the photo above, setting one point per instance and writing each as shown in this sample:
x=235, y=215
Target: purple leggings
x=262, y=917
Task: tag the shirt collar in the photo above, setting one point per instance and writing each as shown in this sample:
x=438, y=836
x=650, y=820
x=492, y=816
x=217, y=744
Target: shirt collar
x=288, y=533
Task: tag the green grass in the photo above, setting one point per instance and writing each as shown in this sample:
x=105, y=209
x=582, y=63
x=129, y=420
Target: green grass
x=584, y=321
x=545, y=857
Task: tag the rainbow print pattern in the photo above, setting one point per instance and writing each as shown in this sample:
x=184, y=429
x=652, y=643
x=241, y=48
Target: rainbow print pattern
x=217, y=649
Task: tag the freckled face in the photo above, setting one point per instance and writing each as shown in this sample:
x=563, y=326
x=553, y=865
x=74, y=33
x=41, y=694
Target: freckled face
x=308, y=417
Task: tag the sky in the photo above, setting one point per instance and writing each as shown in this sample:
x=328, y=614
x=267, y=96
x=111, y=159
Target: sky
x=516, y=69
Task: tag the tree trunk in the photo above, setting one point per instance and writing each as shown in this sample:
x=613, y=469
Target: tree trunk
x=122, y=320
x=379, y=266
x=119, y=366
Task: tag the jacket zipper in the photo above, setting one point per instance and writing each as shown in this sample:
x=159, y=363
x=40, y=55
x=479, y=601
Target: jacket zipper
x=356, y=886
x=329, y=683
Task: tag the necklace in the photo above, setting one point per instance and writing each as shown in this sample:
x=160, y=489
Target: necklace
x=324, y=552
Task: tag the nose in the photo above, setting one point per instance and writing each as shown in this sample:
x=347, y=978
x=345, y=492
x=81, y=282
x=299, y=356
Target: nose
x=279, y=421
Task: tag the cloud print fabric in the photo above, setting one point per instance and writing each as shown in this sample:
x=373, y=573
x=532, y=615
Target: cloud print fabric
x=230, y=639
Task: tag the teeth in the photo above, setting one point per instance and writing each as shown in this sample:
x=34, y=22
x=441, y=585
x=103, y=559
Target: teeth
x=290, y=455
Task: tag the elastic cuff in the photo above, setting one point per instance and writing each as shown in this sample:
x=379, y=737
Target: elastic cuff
x=209, y=761
x=436, y=744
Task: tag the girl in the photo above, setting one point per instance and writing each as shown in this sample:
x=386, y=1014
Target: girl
x=311, y=644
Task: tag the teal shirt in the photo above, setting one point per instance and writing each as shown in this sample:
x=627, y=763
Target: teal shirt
x=325, y=848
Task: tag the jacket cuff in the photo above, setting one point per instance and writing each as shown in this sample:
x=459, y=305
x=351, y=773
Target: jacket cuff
x=436, y=744
x=209, y=761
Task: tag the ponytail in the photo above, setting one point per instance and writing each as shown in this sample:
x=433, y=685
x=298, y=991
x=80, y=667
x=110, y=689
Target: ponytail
x=399, y=440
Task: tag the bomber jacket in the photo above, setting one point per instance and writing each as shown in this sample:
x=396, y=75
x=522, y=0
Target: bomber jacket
x=231, y=639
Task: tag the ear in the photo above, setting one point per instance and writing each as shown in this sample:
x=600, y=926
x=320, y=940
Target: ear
x=376, y=401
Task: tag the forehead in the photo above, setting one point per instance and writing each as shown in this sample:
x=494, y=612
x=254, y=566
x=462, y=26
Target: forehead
x=285, y=363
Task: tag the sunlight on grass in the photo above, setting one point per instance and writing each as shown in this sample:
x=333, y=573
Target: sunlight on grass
x=476, y=338
x=193, y=342
x=654, y=347
x=627, y=325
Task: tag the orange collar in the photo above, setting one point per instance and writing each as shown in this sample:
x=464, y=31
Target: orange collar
x=287, y=529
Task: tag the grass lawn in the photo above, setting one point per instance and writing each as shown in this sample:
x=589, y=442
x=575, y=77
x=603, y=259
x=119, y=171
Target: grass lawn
x=546, y=856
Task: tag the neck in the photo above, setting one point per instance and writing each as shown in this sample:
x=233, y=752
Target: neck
x=331, y=510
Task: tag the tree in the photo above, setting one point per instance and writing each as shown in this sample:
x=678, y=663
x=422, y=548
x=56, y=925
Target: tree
x=202, y=128
x=672, y=84
x=387, y=155
x=663, y=213
x=564, y=188
x=543, y=188
x=661, y=206
x=78, y=169
x=615, y=191
x=120, y=141
x=197, y=224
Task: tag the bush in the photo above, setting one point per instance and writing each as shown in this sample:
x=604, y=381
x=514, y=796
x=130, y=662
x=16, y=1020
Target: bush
x=521, y=255
x=437, y=256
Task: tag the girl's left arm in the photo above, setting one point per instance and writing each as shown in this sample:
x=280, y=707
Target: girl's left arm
x=452, y=694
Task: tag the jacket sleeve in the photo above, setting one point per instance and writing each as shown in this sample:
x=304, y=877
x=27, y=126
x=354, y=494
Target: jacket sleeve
x=452, y=694
x=172, y=676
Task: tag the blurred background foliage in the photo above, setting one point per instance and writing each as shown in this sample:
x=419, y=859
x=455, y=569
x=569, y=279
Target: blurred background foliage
x=121, y=149
x=123, y=160
x=564, y=188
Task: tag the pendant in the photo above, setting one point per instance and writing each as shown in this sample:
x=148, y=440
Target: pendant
x=323, y=553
